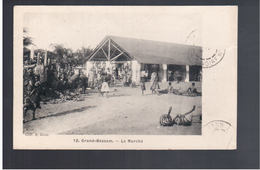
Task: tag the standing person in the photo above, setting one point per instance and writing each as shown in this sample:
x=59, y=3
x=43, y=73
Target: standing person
x=143, y=87
x=39, y=71
x=116, y=73
x=105, y=88
x=119, y=74
x=124, y=74
x=35, y=94
x=95, y=79
x=177, y=76
x=109, y=77
x=32, y=97
x=50, y=77
x=108, y=71
x=91, y=78
x=154, y=82
x=82, y=82
x=129, y=78
x=113, y=79
x=100, y=86
x=98, y=75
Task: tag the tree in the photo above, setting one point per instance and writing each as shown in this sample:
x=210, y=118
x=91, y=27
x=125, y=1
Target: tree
x=64, y=56
x=27, y=41
x=82, y=55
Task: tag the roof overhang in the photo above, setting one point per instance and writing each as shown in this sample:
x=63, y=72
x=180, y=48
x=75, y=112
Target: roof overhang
x=108, y=50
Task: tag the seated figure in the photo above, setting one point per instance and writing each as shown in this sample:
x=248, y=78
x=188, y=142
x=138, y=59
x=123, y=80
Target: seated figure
x=169, y=88
x=192, y=89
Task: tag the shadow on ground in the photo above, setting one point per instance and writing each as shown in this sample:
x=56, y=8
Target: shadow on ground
x=66, y=112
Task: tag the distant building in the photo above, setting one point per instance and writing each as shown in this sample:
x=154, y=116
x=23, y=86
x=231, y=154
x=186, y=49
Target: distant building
x=144, y=56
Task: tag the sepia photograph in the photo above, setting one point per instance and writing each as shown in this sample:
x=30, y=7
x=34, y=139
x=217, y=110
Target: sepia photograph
x=131, y=75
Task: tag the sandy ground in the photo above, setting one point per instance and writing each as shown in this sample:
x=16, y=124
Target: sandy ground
x=124, y=112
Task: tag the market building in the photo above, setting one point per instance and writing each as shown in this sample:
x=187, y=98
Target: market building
x=145, y=56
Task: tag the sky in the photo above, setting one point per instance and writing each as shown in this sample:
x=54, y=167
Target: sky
x=87, y=26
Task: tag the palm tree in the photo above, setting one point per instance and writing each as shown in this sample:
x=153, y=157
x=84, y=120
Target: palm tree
x=63, y=55
x=27, y=40
x=67, y=56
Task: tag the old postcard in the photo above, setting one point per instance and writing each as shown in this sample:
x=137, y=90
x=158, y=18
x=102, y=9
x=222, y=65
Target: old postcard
x=125, y=77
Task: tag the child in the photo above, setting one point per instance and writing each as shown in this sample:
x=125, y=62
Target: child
x=143, y=87
x=105, y=88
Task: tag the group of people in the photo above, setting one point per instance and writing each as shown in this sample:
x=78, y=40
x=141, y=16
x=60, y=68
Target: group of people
x=174, y=76
x=102, y=78
x=154, y=84
x=40, y=81
x=96, y=76
x=192, y=90
x=126, y=76
x=65, y=79
x=108, y=80
x=32, y=88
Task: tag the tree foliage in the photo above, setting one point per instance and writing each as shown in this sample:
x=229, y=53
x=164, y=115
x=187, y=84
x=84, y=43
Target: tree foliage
x=82, y=55
x=61, y=55
x=66, y=56
x=27, y=40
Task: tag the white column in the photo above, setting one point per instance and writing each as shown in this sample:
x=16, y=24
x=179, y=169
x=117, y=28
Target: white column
x=45, y=64
x=38, y=58
x=45, y=58
x=32, y=54
x=138, y=72
x=187, y=79
x=109, y=49
x=136, y=67
x=164, y=73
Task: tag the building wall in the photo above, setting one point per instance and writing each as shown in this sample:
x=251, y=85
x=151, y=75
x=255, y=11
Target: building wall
x=136, y=71
x=162, y=71
x=89, y=65
x=183, y=72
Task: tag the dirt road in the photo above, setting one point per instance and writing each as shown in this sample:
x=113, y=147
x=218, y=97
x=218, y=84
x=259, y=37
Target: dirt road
x=124, y=112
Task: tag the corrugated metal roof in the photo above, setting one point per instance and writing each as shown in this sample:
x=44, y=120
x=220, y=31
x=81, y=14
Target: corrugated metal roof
x=156, y=52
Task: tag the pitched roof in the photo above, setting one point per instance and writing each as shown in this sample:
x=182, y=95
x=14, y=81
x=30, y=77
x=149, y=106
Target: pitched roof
x=156, y=52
